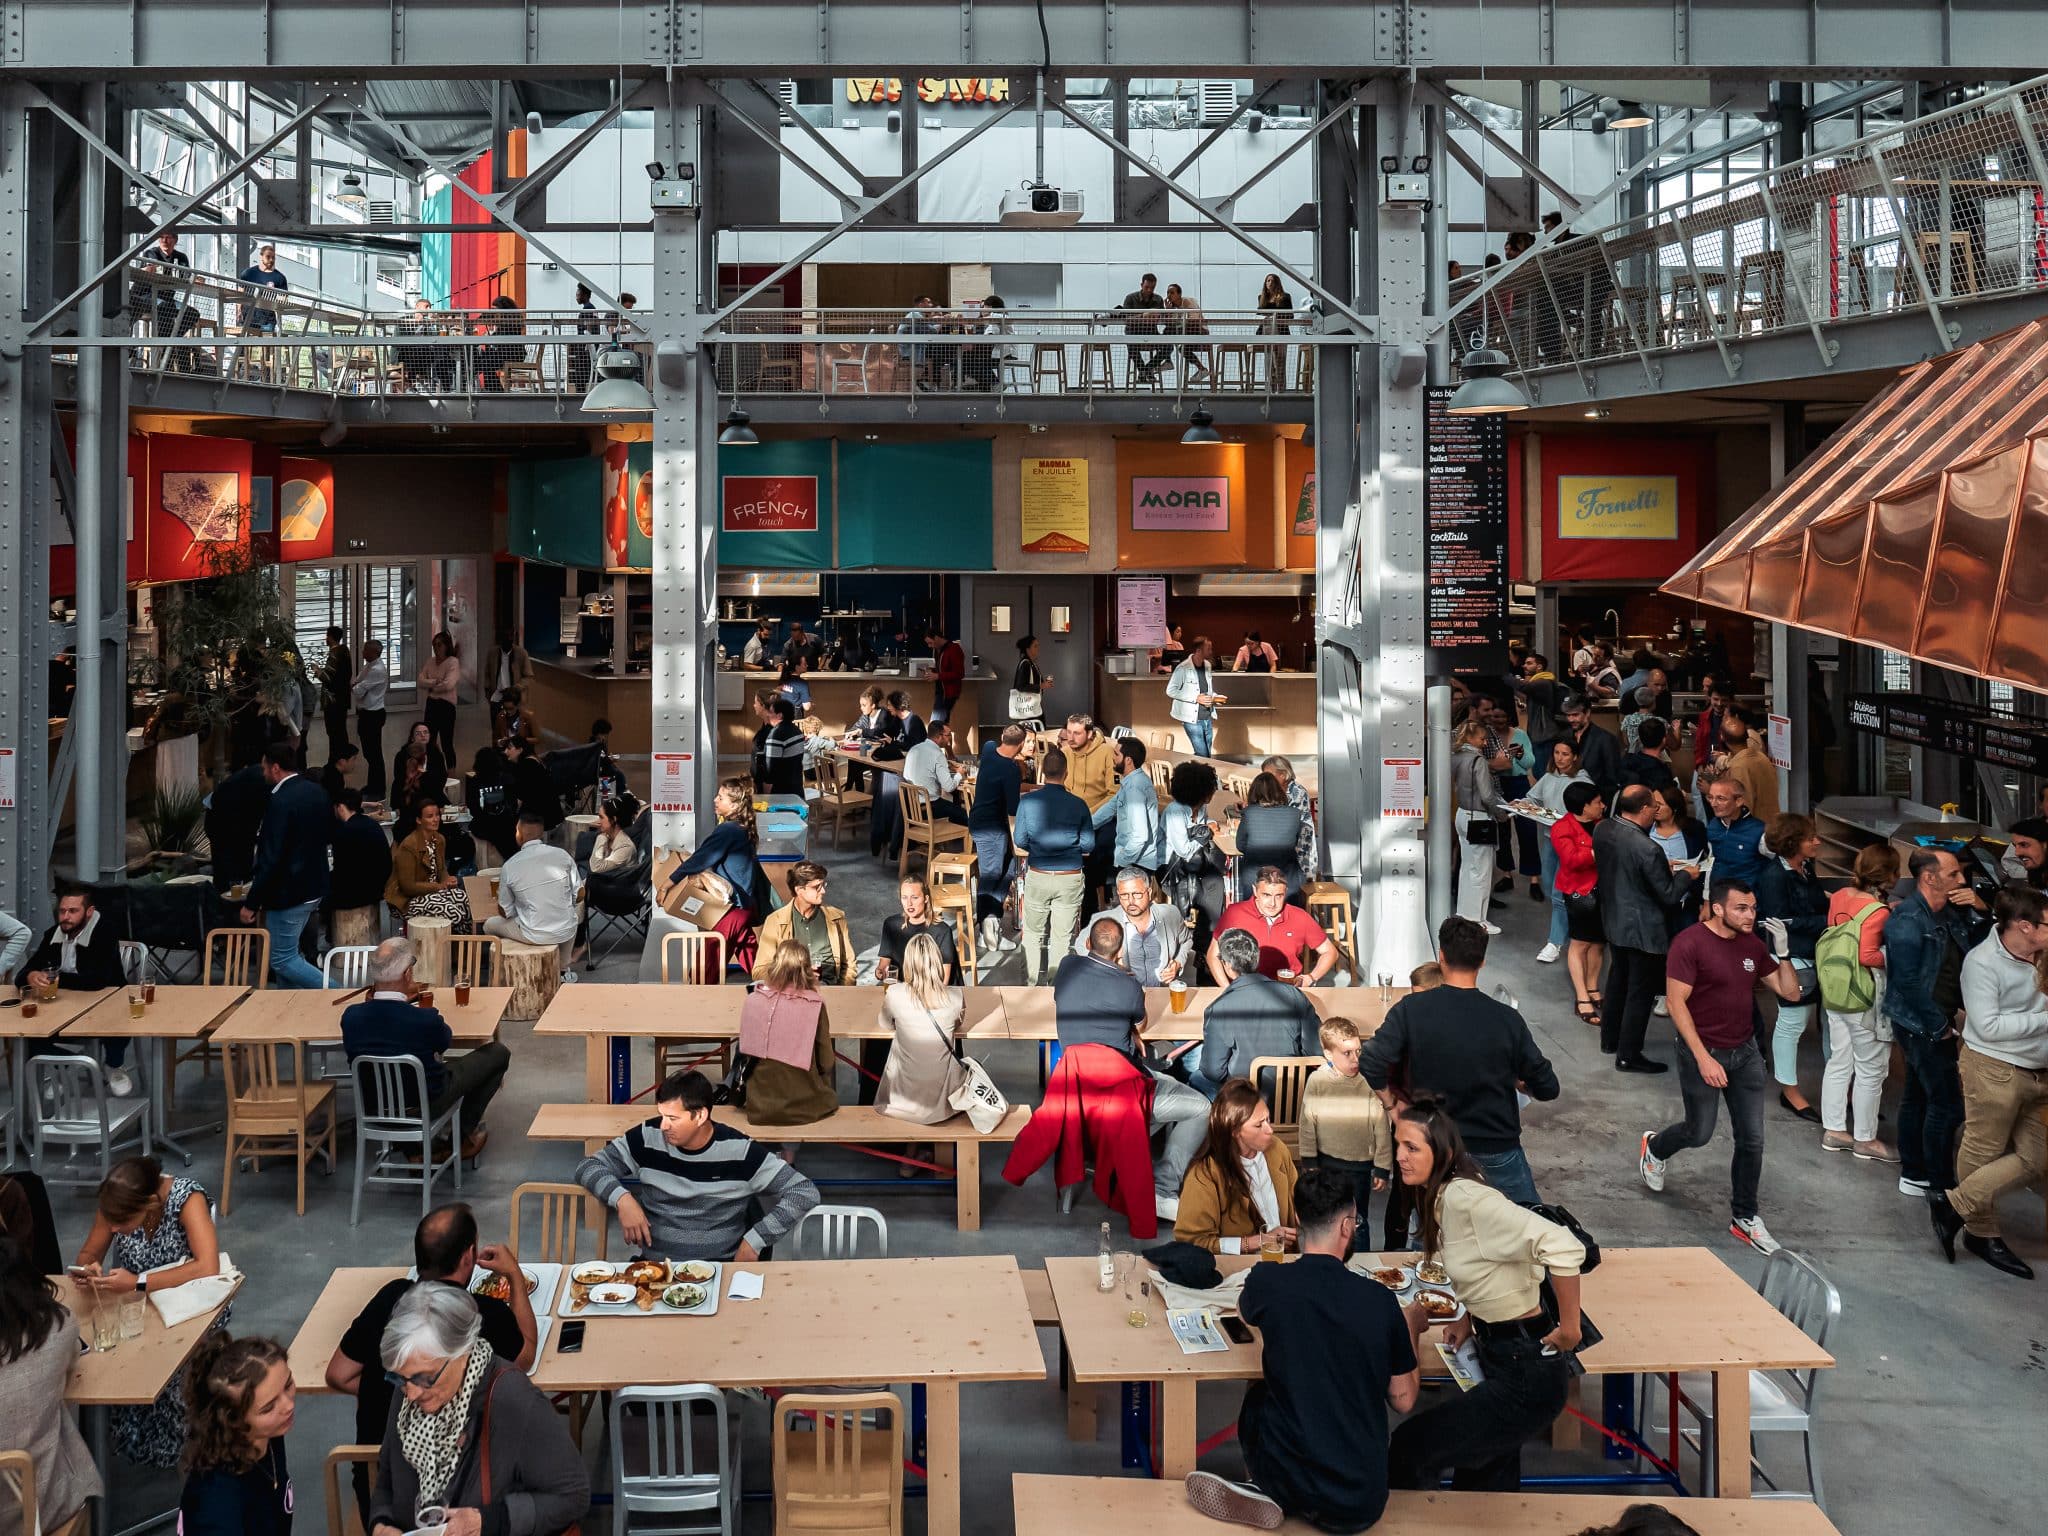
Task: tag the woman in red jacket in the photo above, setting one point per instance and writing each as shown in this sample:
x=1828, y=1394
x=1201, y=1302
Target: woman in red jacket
x=1571, y=835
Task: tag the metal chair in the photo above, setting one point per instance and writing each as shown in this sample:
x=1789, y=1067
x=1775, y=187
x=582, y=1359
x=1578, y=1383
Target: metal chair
x=270, y=1115
x=342, y=969
x=80, y=1113
x=1780, y=1402
x=692, y=960
x=392, y=1110
x=1290, y=1078
x=689, y=1462
x=849, y=1478
x=343, y=1518
x=561, y=1213
x=836, y=1231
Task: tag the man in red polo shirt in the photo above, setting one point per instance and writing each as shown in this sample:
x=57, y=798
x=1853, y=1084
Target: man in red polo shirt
x=1292, y=945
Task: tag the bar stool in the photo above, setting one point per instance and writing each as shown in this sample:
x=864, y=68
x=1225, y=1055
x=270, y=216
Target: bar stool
x=1096, y=353
x=955, y=869
x=1767, y=308
x=1330, y=904
x=1048, y=360
x=1234, y=356
x=959, y=900
x=1305, y=372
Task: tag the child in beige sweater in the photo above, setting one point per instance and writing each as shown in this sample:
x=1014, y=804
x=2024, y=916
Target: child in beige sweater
x=1343, y=1123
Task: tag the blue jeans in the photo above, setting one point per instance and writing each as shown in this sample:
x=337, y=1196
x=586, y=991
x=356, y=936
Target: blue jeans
x=1560, y=931
x=1930, y=1109
x=289, y=968
x=1509, y=1173
x=1201, y=736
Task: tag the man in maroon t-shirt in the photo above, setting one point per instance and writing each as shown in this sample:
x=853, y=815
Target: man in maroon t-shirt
x=1711, y=977
x=1292, y=945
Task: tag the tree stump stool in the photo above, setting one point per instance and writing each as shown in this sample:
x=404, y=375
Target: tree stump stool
x=356, y=925
x=534, y=973
x=429, y=937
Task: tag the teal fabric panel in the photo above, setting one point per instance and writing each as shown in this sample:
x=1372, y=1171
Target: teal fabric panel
x=553, y=511
x=917, y=506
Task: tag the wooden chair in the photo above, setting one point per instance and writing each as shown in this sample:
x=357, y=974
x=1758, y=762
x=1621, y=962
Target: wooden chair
x=848, y=1478
x=18, y=1469
x=475, y=959
x=1290, y=1077
x=521, y=377
x=343, y=1518
x=269, y=1115
x=562, y=1208
x=1330, y=904
x=692, y=960
x=243, y=956
x=835, y=796
x=919, y=825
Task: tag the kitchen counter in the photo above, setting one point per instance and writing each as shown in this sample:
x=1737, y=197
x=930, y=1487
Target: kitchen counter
x=569, y=692
x=1263, y=712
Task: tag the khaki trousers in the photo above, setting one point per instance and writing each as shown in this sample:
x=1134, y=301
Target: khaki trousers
x=2004, y=1141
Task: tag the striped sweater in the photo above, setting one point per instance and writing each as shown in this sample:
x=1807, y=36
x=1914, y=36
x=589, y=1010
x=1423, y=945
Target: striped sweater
x=698, y=1203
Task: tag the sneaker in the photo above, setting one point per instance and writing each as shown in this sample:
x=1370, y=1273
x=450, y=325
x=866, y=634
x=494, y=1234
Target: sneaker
x=1875, y=1151
x=1168, y=1207
x=1651, y=1165
x=1661, y=1008
x=1239, y=1503
x=1917, y=1188
x=1836, y=1141
x=1547, y=955
x=1751, y=1230
x=1492, y=930
x=991, y=932
x=568, y=975
x=122, y=1085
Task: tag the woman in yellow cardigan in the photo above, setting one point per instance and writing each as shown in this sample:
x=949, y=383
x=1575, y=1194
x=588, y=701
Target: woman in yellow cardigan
x=1242, y=1186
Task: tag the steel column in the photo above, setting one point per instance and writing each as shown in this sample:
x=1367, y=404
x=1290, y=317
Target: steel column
x=1788, y=645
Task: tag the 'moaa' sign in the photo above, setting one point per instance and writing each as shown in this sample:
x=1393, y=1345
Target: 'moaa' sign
x=1181, y=503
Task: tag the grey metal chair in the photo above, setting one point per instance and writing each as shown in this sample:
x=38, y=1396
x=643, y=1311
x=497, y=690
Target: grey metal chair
x=685, y=1462
x=392, y=1110
x=73, y=1108
x=835, y=1231
x=1780, y=1402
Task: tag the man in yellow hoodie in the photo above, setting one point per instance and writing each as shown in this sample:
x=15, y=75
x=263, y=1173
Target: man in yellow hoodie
x=1091, y=762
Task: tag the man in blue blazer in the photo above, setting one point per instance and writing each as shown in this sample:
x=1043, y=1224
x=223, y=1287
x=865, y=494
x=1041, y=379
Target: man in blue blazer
x=389, y=1022
x=290, y=878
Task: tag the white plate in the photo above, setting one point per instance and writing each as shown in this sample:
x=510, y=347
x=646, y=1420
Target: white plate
x=614, y=1294
x=1437, y=1290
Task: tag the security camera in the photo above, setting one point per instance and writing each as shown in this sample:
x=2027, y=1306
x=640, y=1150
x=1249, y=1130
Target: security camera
x=656, y=171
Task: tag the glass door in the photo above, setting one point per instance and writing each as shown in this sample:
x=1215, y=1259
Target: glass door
x=367, y=601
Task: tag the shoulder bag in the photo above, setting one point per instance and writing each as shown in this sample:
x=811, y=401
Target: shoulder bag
x=978, y=1098
x=1589, y=1332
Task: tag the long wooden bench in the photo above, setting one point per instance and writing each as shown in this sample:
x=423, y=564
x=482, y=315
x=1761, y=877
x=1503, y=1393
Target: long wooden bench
x=851, y=1125
x=1115, y=1506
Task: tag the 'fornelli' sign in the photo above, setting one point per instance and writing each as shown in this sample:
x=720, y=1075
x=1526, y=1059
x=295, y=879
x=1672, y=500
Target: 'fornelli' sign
x=770, y=504
x=1617, y=506
x=1181, y=503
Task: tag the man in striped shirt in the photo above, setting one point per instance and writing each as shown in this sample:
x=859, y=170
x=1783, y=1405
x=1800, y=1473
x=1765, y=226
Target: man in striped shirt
x=696, y=1185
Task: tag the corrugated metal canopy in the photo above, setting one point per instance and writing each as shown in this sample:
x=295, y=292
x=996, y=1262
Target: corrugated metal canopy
x=1920, y=526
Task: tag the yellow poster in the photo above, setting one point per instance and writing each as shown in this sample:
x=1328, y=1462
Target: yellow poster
x=1617, y=506
x=1054, y=507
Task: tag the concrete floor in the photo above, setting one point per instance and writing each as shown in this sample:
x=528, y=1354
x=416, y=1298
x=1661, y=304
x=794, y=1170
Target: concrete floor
x=1923, y=1349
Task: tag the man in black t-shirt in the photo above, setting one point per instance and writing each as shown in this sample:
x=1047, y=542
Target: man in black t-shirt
x=1337, y=1352
x=444, y=1250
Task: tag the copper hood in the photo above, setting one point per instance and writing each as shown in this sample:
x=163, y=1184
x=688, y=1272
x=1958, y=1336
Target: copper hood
x=1921, y=526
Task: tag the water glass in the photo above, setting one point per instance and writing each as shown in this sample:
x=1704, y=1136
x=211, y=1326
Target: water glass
x=1137, y=1290
x=134, y=1309
x=106, y=1323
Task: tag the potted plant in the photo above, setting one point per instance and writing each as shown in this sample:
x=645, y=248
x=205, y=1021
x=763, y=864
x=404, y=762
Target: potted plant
x=168, y=820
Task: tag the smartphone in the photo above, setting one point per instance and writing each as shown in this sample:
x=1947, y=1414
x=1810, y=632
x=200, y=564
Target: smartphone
x=1235, y=1329
x=572, y=1336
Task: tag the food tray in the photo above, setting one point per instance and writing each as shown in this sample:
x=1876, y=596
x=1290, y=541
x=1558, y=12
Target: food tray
x=659, y=1309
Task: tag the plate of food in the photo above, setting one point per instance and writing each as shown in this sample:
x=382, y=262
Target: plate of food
x=698, y=1271
x=690, y=1297
x=1432, y=1272
x=1439, y=1306
x=612, y=1293
x=499, y=1287
x=543, y=1283
x=643, y=1272
x=592, y=1272
x=1395, y=1277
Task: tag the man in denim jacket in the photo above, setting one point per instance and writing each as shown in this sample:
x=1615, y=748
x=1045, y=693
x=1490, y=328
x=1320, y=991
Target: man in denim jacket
x=1939, y=911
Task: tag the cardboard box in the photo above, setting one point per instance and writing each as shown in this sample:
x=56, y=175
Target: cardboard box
x=698, y=901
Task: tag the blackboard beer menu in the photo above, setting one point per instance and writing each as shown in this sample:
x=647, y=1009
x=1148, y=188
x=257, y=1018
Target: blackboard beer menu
x=1465, y=515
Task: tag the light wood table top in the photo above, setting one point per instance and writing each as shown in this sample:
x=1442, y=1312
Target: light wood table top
x=137, y=1370
x=850, y=1123
x=51, y=1018
x=179, y=1013
x=307, y=1017
x=841, y=1324
x=344, y=1296
x=1117, y=1506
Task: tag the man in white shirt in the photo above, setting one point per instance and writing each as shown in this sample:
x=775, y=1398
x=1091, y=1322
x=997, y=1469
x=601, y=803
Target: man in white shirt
x=755, y=653
x=537, y=891
x=929, y=766
x=368, y=693
x=1192, y=702
x=2004, y=1067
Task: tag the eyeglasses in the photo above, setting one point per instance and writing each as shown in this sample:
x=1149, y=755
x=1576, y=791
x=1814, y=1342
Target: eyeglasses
x=423, y=1381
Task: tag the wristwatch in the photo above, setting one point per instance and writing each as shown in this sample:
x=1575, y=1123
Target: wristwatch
x=142, y=1285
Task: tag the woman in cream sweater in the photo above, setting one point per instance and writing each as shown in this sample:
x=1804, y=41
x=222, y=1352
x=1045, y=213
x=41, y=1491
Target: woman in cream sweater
x=1241, y=1189
x=1497, y=1256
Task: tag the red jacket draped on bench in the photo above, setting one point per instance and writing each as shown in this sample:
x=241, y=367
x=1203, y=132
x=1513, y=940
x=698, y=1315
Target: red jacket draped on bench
x=1098, y=1105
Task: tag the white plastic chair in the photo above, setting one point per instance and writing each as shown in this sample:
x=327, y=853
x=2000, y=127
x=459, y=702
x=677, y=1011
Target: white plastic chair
x=836, y=1230
x=1780, y=1402
x=81, y=1113
x=689, y=1462
x=385, y=1086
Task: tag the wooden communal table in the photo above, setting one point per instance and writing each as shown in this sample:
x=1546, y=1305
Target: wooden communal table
x=179, y=1013
x=1305, y=769
x=1660, y=1310
x=344, y=1296
x=1121, y=1506
x=51, y=1019
x=933, y=1322
x=599, y=1013
x=313, y=1018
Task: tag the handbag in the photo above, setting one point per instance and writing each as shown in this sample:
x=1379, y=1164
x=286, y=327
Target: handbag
x=1582, y=903
x=484, y=1435
x=978, y=1098
x=732, y=1088
x=1482, y=831
x=1026, y=704
x=1589, y=1332
x=1011, y=924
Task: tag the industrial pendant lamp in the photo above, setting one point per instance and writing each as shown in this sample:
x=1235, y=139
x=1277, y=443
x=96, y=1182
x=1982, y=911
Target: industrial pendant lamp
x=1486, y=390
x=618, y=390
x=1201, y=430
x=1629, y=114
x=738, y=431
x=350, y=193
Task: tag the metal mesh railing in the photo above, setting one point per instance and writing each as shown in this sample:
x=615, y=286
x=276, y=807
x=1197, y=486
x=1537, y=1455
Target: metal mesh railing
x=1944, y=210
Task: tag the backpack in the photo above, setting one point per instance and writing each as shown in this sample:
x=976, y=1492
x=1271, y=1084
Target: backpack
x=1847, y=985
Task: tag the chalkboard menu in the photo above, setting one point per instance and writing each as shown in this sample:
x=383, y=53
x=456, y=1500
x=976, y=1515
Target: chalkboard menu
x=1465, y=514
x=1944, y=725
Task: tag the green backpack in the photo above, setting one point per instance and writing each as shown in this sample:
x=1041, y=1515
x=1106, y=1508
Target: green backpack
x=1847, y=985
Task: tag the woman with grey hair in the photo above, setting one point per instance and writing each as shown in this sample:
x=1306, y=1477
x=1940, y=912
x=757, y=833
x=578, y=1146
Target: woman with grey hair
x=468, y=1432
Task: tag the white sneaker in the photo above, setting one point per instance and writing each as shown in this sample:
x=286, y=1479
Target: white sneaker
x=568, y=975
x=1547, y=955
x=1492, y=930
x=1651, y=1166
x=991, y=933
x=1661, y=1009
x=1168, y=1207
x=120, y=1082
x=1751, y=1230
x=1239, y=1503
x=1917, y=1188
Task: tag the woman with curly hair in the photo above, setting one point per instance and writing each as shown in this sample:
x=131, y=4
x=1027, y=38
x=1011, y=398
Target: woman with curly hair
x=1193, y=877
x=728, y=851
x=239, y=1402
